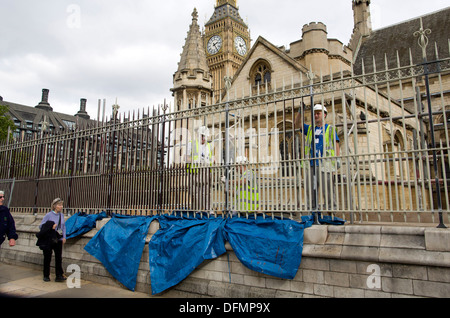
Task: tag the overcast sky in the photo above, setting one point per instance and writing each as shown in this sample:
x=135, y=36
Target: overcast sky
x=129, y=50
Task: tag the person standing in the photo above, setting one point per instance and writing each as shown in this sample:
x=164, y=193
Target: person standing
x=326, y=145
x=7, y=224
x=56, y=217
x=199, y=156
x=247, y=194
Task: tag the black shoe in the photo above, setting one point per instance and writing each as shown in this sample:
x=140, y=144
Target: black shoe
x=46, y=279
x=60, y=279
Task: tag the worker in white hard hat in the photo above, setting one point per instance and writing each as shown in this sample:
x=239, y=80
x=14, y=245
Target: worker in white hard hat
x=199, y=151
x=199, y=156
x=326, y=145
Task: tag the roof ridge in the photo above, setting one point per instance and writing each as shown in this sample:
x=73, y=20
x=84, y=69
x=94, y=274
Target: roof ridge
x=411, y=19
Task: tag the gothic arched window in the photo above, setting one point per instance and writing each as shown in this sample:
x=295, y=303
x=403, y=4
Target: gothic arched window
x=261, y=73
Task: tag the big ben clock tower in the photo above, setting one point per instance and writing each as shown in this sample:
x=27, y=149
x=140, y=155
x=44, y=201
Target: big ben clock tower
x=227, y=41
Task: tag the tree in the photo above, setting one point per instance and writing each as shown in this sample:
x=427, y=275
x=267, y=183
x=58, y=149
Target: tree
x=5, y=123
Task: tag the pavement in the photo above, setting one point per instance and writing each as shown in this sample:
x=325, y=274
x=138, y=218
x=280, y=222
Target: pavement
x=23, y=282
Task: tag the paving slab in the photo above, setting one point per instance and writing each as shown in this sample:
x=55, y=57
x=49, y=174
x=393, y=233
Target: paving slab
x=22, y=282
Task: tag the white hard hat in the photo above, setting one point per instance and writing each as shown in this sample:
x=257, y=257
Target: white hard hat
x=241, y=159
x=203, y=131
x=319, y=107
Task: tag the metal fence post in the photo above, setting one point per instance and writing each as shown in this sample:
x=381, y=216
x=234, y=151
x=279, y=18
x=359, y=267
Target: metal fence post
x=313, y=175
x=423, y=43
x=227, y=157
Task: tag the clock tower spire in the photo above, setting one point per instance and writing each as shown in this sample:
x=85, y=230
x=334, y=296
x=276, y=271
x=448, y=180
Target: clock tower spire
x=222, y=2
x=227, y=41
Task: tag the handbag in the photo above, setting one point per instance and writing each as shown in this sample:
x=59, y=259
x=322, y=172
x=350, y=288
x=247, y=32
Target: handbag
x=58, y=231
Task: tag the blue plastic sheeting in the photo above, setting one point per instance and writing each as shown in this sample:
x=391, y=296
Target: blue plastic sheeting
x=325, y=219
x=269, y=246
x=81, y=223
x=119, y=245
x=180, y=245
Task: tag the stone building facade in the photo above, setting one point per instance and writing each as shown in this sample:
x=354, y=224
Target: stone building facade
x=35, y=119
x=263, y=68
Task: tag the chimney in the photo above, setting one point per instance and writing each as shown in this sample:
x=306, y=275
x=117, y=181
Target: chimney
x=44, y=104
x=82, y=112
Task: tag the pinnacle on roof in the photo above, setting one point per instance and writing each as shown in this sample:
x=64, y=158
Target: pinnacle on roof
x=193, y=56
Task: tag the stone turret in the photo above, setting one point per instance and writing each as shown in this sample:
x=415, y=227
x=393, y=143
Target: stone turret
x=316, y=52
x=192, y=82
x=315, y=43
x=361, y=16
x=362, y=23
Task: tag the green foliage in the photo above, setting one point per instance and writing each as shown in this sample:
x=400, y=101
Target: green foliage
x=5, y=123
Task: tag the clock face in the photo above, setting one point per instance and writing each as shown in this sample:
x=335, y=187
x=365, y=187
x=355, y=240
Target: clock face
x=240, y=45
x=214, y=44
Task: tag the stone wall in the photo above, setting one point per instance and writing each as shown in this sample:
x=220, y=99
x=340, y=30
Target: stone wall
x=338, y=261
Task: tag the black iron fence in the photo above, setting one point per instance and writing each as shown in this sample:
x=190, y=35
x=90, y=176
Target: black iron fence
x=393, y=165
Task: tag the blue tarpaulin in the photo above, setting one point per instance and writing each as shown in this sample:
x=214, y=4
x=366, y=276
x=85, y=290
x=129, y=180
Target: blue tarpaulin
x=324, y=219
x=81, y=223
x=119, y=245
x=269, y=246
x=180, y=245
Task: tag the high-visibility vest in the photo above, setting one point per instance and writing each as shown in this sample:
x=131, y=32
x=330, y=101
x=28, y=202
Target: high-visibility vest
x=196, y=157
x=248, y=195
x=328, y=146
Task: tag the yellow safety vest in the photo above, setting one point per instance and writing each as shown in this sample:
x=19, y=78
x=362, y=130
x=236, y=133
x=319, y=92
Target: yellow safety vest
x=248, y=196
x=196, y=157
x=328, y=145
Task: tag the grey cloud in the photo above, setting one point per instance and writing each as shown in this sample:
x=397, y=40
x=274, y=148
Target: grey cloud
x=99, y=49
